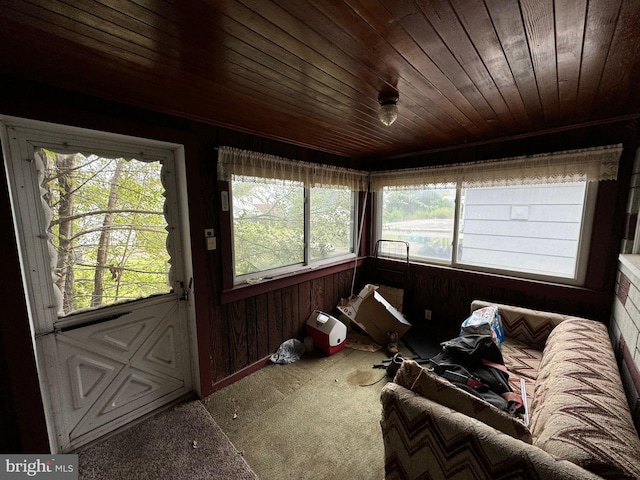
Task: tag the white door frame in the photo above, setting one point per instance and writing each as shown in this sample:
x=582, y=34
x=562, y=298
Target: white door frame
x=16, y=134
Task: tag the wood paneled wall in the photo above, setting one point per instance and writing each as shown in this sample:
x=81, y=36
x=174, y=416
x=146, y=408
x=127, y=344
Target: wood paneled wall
x=448, y=292
x=233, y=336
x=246, y=331
x=256, y=326
x=449, y=296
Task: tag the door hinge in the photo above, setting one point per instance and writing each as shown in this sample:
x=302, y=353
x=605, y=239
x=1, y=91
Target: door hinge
x=185, y=292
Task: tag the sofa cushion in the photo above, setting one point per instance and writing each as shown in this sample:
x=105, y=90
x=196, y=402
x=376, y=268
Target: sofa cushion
x=521, y=359
x=580, y=411
x=431, y=386
x=523, y=362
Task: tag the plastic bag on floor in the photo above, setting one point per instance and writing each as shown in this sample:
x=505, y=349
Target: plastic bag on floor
x=290, y=351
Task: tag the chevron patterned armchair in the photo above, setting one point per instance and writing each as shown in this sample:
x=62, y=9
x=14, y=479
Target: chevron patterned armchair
x=580, y=428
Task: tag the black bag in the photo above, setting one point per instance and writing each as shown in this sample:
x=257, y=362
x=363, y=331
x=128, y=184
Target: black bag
x=471, y=349
x=475, y=364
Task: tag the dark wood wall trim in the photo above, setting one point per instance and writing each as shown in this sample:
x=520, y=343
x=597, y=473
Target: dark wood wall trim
x=22, y=422
x=540, y=133
x=240, y=374
x=623, y=130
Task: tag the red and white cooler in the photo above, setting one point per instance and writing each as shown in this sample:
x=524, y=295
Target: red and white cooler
x=328, y=333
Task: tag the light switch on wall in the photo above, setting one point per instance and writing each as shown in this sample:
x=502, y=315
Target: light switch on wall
x=224, y=200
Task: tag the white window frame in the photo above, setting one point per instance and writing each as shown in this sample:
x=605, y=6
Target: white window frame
x=307, y=264
x=584, y=245
x=236, y=162
x=587, y=165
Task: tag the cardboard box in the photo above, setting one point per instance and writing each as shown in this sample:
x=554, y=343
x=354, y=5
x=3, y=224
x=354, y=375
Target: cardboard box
x=373, y=314
x=395, y=296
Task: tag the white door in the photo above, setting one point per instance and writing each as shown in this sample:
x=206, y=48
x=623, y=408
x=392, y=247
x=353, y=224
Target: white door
x=103, y=238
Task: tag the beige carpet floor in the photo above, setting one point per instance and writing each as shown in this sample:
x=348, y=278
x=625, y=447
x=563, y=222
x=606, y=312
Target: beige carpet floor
x=162, y=447
x=311, y=419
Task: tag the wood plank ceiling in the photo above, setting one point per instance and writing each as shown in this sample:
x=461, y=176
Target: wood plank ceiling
x=309, y=72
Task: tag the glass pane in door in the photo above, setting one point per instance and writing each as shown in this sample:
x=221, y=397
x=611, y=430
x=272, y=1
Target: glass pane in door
x=107, y=227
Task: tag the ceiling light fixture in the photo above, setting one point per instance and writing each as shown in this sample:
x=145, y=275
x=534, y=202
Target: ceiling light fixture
x=388, y=108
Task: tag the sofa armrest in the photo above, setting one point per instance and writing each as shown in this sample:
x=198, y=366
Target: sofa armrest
x=423, y=439
x=529, y=326
x=437, y=389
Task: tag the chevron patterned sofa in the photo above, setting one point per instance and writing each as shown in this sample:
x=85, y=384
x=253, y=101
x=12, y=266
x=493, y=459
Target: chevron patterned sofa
x=580, y=428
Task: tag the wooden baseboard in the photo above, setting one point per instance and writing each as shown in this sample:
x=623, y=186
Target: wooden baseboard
x=240, y=374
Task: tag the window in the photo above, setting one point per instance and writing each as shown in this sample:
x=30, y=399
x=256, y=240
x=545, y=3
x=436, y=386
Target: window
x=268, y=225
x=423, y=217
x=107, y=227
x=332, y=226
x=532, y=230
x=287, y=215
x=527, y=217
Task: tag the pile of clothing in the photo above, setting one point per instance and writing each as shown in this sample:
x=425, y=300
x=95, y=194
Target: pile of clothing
x=473, y=361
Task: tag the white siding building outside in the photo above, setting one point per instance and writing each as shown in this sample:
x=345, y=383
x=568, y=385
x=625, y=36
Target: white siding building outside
x=532, y=229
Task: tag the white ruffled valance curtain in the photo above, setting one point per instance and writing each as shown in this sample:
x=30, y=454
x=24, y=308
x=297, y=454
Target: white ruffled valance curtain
x=591, y=165
x=260, y=167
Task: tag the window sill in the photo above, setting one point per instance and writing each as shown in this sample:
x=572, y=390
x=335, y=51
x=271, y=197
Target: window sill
x=496, y=279
x=631, y=262
x=240, y=292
